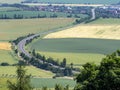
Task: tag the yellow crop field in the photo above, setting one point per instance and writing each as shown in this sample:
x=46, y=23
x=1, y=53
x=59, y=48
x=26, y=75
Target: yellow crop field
x=100, y=31
x=5, y=46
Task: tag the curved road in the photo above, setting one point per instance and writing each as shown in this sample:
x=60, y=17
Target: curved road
x=21, y=44
x=93, y=14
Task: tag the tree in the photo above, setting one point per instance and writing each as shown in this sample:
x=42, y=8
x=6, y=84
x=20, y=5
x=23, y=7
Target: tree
x=23, y=80
x=44, y=88
x=63, y=64
x=106, y=76
x=58, y=87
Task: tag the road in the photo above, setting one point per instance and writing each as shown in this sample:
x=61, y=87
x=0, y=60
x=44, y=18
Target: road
x=21, y=47
x=93, y=14
x=21, y=44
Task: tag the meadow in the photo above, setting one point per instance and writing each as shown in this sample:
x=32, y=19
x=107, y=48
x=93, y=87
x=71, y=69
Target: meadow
x=80, y=1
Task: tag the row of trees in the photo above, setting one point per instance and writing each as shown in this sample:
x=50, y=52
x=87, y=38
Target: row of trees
x=44, y=63
x=21, y=38
x=21, y=16
x=49, y=60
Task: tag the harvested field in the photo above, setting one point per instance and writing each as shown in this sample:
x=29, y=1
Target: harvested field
x=5, y=46
x=89, y=31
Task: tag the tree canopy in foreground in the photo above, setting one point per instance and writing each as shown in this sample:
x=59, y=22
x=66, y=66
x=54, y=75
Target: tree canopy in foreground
x=106, y=76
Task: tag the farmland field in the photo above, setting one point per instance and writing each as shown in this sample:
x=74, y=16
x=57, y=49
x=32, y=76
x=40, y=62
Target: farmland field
x=11, y=29
x=7, y=56
x=88, y=47
x=102, y=29
x=79, y=1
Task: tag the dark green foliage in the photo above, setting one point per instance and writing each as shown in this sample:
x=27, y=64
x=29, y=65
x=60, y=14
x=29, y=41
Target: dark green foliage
x=58, y=87
x=63, y=64
x=4, y=64
x=44, y=88
x=103, y=77
x=23, y=80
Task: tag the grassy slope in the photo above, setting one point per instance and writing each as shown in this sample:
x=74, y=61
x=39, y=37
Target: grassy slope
x=11, y=29
x=81, y=1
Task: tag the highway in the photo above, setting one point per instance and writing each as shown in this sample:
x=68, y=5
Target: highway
x=21, y=44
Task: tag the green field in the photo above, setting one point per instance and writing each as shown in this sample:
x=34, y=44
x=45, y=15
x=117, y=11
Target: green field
x=101, y=46
x=28, y=14
x=79, y=1
x=50, y=83
x=12, y=29
x=7, y=56
x=106, y=21
x=40, y=82
x=10, y=71
x=77, y=51
x=76, y=58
